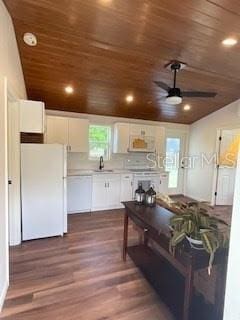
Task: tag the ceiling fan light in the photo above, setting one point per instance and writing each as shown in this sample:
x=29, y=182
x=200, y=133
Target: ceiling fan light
x=174, y=100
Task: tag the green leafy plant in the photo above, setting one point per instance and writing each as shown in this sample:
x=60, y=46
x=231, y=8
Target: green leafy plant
x=194, y=223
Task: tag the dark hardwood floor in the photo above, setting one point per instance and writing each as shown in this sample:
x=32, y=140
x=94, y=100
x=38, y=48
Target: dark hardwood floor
x=80, y=276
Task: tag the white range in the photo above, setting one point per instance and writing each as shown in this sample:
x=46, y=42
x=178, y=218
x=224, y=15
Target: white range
x=148, y=177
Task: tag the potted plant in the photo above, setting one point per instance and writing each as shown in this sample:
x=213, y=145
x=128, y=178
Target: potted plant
x=201, y=230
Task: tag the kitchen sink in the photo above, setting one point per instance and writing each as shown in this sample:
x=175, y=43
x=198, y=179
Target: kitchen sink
x=103, y=171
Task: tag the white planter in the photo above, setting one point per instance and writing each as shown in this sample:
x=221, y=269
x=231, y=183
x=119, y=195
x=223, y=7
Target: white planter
x=195, y=244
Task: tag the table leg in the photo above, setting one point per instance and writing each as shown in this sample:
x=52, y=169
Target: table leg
x=125, y=237
x=221, y=270
x=189, y=282
x=145, y=237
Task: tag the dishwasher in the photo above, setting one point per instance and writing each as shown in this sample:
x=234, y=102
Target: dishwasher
x=79, y=194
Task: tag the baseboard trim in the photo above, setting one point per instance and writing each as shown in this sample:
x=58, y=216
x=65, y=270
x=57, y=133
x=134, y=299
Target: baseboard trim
x=3, y=295
x=194, y=197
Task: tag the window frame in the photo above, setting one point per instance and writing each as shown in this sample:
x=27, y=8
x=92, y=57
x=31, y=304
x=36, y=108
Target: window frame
x=109, y=142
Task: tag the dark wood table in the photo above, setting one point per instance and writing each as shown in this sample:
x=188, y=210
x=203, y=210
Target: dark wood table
x=154, y=223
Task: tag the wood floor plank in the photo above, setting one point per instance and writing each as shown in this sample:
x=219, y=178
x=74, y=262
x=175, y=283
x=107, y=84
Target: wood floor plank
x=80, y=276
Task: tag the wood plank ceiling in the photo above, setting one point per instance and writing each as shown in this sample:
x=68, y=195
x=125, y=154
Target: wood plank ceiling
x=107, y=49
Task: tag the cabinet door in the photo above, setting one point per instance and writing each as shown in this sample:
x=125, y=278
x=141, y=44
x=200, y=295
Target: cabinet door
x=136, y=130
x=160, y=141
x=32, y=114
x=57, y=130
x=127, y=187
x=142, y=130
x=78, y=135
x=113, y=192
x=99, y=193
x=79, y=194
x=121, y=138
x=150, y=131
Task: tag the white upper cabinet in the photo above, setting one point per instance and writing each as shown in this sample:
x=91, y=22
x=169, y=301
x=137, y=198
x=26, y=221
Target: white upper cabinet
x=121, y=138
x=142, y=130
x=142, y=138
x=57, y=130
x=32, y=114
x=78, y=134
x=125, y=134
x=150, y=131
x=72, y=132
x=160, y=141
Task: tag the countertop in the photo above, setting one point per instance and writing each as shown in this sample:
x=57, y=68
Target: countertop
x=82, y=172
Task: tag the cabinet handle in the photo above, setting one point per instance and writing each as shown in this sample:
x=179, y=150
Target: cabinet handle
x=108, y=184
x=105, y=185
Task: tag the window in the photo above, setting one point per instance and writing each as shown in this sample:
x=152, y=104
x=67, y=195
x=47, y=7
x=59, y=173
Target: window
x=99, y=142
x=172, y=160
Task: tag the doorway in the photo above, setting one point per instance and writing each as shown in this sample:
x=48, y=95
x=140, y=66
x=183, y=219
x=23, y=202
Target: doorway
x=174, y=164
x=228, y=146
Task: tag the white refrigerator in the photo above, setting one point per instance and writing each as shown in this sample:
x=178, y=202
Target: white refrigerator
x=43, y=190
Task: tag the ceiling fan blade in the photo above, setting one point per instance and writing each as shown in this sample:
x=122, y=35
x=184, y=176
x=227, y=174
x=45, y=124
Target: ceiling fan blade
x=162, y=85
x=198, y=94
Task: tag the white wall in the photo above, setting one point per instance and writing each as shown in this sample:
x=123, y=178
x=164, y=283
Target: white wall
x=10, y=77
x=232, y=301
x=202, y=139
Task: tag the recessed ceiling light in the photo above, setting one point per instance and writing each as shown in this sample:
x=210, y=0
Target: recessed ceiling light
x=229, y=42
x=129, y=98
x=69, y=89
x=30, y=39
x=187, y=107
x=105, y=2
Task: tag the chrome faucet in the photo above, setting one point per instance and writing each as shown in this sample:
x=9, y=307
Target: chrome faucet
x=101, y=163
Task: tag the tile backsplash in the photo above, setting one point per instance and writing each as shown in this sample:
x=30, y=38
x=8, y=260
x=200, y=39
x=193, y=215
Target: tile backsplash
x=118, y=161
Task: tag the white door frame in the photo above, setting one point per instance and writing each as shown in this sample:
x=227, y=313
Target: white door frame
x=4, y=175
x=184, y=136
x=217, y=150
x=14, y=217
x=8, y=94
x=232, y=306
x=14, y=194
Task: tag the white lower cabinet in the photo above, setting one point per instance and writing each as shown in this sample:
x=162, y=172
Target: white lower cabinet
x=126, y=187
x=98, y=192
x=106, y=191
x=79, y=194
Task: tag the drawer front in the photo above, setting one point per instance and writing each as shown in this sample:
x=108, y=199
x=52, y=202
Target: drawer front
x=127, y=176
x=137, y=221
x=106, y=177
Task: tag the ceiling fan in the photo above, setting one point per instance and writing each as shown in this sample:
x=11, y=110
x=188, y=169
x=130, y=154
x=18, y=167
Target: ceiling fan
x=175, y=95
